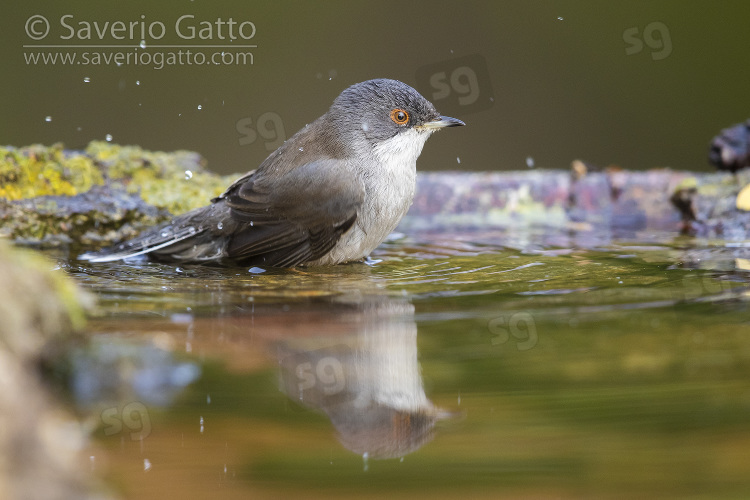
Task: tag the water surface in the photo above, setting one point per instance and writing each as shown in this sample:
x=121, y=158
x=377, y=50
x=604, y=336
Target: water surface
x=489, y=364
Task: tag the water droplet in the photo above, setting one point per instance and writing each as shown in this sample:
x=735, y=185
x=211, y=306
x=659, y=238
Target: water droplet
x=108, y=137
x=256, y=270
x=251, y=223
x=200, y=107
x=137, y=82
x=164, y=233
x=301, y=149
x=365, y=127
x=146, y=464
x=178, y=270
x=559, y=18
x=47, y=118
x=458, y=160
x=188, y=174
x=143, y=44
x=220, y=226
x=530, y=162
x=208, y=399
x=86, y=79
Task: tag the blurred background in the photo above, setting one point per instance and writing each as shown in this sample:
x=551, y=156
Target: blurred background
x=637, y=84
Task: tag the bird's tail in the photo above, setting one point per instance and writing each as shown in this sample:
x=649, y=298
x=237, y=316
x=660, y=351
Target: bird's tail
x=197, y=236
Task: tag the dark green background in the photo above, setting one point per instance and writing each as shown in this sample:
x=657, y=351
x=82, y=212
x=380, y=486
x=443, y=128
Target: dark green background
x=563, y=89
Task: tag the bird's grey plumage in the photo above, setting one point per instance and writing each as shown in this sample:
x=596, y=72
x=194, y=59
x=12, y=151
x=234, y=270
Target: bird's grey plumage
x=329, y=194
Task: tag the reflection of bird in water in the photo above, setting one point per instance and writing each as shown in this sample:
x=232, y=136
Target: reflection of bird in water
x=730, y=150
x=385, y=432
x=368, y=382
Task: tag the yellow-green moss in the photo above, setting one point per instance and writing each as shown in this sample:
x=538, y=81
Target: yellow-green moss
x=37, y=303
x=167, y=184
x=174, y=181
x=40, y=171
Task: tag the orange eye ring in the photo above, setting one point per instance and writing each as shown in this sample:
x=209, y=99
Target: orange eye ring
x=399, y=116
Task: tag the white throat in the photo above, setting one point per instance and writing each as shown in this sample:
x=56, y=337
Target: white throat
x=401, y=150
x=389, y=191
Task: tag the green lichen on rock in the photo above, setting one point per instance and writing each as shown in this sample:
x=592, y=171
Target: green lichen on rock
x=43, y=171
x=37, y=303
x=175, y=181
x=108, y=192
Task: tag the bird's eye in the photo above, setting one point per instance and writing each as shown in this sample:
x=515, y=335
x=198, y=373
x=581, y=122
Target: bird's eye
x=399, y=116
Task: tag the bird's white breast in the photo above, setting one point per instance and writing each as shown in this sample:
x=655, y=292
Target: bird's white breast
x=390, y=181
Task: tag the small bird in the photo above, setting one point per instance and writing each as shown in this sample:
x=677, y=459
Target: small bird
x=330, y=194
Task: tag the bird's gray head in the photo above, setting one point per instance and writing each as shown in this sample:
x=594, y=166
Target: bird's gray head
x=378, y=110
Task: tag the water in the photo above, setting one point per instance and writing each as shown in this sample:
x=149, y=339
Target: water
x=498, y=365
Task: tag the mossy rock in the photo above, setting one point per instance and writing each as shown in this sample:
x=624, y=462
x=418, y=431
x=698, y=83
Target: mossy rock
x=40, y=308
x=37, y=303
x=51, y=196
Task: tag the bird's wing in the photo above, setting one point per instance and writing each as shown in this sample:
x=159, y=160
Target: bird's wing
x=295, y=218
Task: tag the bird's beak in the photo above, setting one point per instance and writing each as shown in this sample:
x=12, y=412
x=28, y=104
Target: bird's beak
x=442, y=122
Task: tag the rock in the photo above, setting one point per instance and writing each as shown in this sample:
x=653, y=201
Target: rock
x=109, y=193
x=40, y=443
x=730, y=150
x=50, y=196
